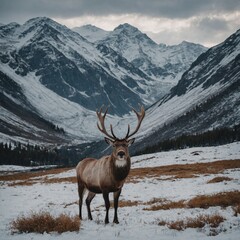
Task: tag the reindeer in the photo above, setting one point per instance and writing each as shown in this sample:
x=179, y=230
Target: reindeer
x=109, y=173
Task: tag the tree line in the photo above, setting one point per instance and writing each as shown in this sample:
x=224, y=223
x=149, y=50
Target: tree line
x=215, y=137
x=29, y=155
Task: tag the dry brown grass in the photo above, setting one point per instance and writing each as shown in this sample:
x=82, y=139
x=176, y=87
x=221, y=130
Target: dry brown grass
x=198, y=222
x=183, y=170
x=43, y=222
x=128, y=203
x=163, y=204
x=136, y=175
x=29, y=175
x=60, y=180
x=219, y=179
x=223, y=199
x=30, y=178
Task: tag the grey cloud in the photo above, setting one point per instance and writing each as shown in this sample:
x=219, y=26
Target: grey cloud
x=208, y=31
x=24, y=9
x=205, y=29
x=211, y=24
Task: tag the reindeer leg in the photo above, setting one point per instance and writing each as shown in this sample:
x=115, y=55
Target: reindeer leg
x=107, y=205
x=116, y=197
x=81, y=189
x=90, y=197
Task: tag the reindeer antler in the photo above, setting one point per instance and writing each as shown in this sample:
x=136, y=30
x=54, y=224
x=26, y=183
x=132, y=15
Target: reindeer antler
x=140, y=116
x=102, y=128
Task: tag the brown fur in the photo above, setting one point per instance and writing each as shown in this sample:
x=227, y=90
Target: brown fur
x=103, y=176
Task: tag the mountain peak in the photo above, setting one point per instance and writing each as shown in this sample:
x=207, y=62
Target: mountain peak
x=40, y=20
x=126, y=27
x=90, y=27
x=131, y=32
x=91, y=32
x=186, y=43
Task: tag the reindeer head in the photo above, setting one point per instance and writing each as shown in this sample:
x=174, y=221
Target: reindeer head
x=120, y=146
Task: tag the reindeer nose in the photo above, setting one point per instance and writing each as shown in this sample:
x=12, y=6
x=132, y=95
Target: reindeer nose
x=121, y=154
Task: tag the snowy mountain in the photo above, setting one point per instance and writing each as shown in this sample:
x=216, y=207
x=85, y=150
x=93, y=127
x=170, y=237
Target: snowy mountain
x=91, y=33
x=61, y=78
x=163, y=63
x=33, y=115
x=52, y=80
x=206, y=97
x=19, y=119
x=72, y=67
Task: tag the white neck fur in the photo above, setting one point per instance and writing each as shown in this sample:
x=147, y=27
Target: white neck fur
x=120, y=162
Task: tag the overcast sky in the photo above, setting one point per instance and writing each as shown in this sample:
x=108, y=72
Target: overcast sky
x=208, y=22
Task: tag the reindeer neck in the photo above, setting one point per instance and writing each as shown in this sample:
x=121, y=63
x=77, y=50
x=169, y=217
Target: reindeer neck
x=120, y=172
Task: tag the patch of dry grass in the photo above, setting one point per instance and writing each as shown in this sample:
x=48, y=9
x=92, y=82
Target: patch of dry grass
x=29, y=175
x=198, y=222
x=128, y=203
x=219, y=179
x=223, y=199
x=183, y=170
x=60, y=180
x=31, y=178
x=163, y=204
x=43, y=222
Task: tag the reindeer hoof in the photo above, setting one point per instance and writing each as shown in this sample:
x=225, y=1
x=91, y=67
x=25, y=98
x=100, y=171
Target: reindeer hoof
x=116, y=221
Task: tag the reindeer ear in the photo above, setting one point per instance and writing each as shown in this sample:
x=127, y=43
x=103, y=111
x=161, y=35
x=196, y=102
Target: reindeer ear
x=108, y=141
x=131, y=141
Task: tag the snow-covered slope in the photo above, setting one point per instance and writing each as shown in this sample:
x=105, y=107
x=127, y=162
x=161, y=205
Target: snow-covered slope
x=163, y=63
x=61, y=76
x=206, y=97
x=71, y=66
x=40, y=101
x=54, y=193
x=91, y=33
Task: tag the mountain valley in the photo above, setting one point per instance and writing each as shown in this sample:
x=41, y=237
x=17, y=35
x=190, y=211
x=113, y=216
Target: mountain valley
x=52, y=79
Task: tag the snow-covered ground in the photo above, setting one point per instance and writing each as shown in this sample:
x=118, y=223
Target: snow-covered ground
x=135, y=222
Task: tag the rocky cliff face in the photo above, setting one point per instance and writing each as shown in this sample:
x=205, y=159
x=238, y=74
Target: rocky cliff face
x=71, y=66
x=206, y=97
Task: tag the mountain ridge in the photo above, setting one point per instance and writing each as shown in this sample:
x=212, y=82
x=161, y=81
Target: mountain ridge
x=70, y=60
x=165, y=64
x=206, y=97
x=46, y=63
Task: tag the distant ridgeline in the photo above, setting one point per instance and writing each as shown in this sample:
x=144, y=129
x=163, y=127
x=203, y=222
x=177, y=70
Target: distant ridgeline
x=69, y=156
x=218, y=136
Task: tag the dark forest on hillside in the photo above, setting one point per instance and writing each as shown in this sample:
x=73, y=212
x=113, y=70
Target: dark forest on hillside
x=23, y=155
x=215, y=137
